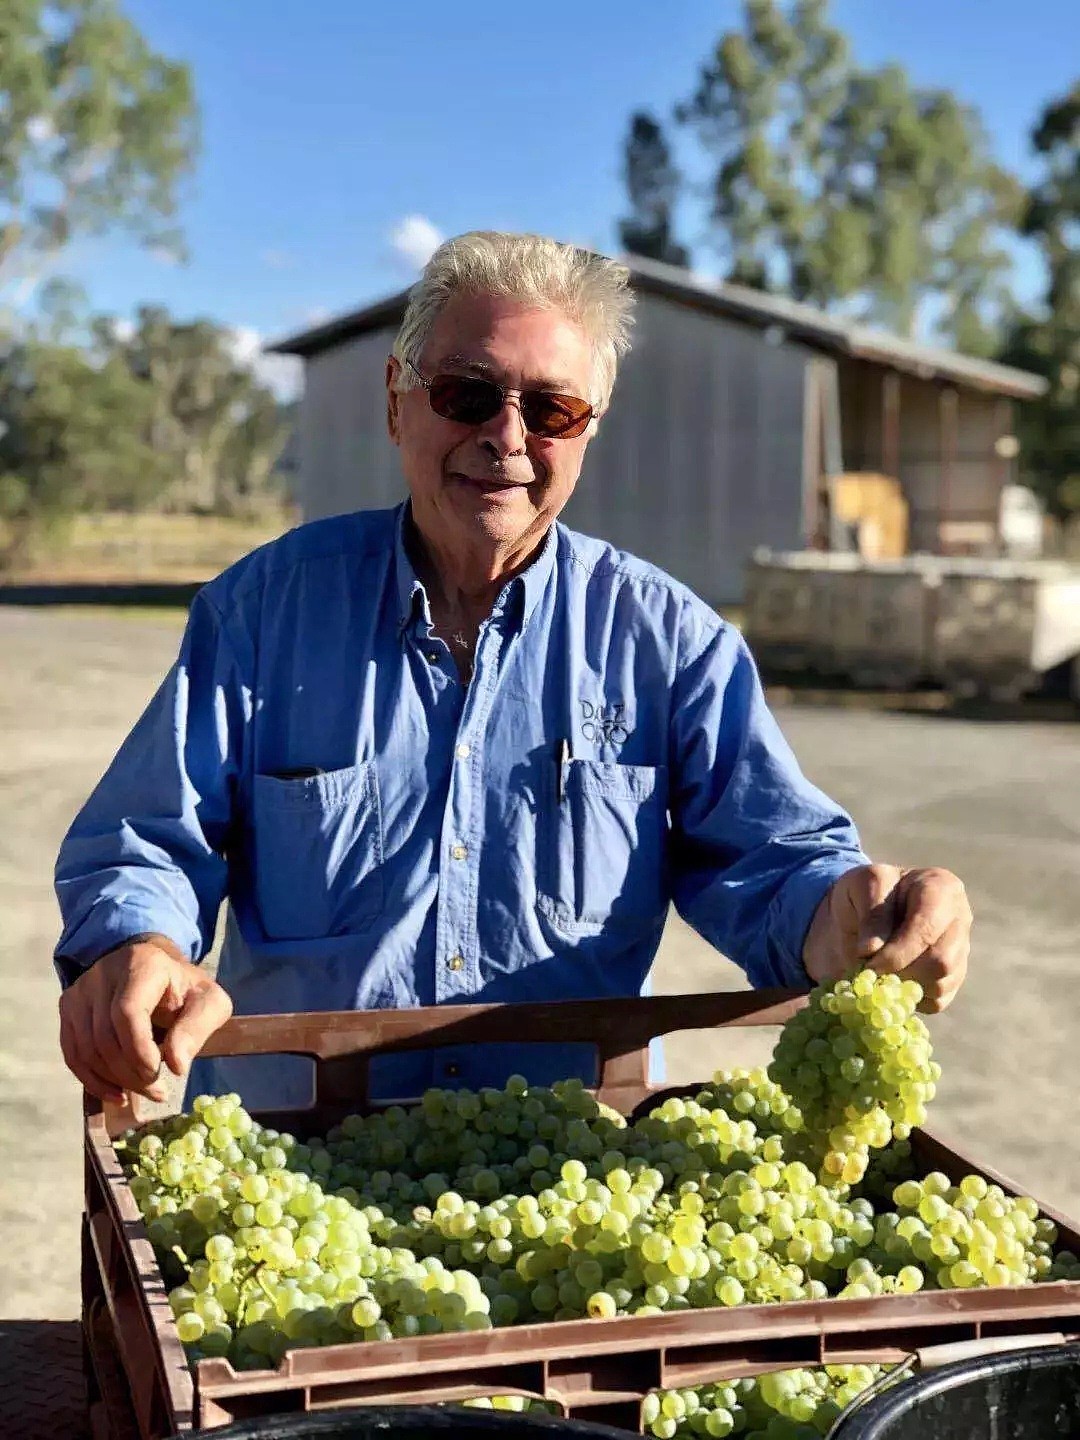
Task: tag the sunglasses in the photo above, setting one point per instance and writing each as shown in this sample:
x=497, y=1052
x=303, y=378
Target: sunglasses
x=468, y=400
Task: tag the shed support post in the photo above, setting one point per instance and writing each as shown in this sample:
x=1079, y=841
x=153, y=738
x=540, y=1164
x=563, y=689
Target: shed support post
x=1003, y=466
x=815, y=528
x=948, y=408
x=890, y=425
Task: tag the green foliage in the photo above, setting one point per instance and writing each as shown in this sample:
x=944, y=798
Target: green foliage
x=219, y=430
x=96, y=132
x=167, y=417
x=760, y=109
x=652, y=183
x=96, y=129
x=840, y=185
x=71, y=437
x=1049, y=343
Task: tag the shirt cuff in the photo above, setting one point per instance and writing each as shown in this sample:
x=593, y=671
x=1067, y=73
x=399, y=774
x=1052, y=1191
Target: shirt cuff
x=793, y=909
x=107, y=926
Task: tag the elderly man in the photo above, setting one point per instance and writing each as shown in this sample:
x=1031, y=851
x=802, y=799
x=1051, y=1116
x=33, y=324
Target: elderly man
x=456, y=752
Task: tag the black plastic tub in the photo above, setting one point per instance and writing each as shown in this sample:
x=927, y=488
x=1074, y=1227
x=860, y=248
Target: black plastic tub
x=414, y=1422
x=1027, y=1395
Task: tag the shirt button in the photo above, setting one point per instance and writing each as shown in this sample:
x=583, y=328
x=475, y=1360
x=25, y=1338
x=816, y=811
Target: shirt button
x=459, y=852
x=456, y=962
x=463, y=751
x=433, y=656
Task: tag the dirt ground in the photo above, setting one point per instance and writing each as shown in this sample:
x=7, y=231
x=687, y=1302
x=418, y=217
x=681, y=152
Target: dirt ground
x=997, y=802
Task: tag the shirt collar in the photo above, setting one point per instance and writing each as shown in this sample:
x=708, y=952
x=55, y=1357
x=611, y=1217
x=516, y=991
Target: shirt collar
x=532, y=581
x=410, y=591
x=529, y=585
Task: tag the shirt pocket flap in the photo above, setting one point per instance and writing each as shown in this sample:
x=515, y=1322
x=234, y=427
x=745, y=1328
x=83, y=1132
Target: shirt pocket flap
x=603, y=848
x=625, y=782
x=325, y=791
x=317, y=849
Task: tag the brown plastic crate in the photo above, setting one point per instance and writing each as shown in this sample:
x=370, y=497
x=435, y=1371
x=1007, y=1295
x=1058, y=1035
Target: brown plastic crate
x=591, y=1368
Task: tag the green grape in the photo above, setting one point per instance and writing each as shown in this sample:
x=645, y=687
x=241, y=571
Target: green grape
x=255, y=1189
x=190, y=1327
x=729, y=1291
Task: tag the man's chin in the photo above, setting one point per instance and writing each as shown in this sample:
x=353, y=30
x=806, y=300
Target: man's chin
x=500, y=529
x=495, y=512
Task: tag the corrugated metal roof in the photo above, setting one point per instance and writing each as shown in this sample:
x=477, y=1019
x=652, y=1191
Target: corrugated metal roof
x=754, y=307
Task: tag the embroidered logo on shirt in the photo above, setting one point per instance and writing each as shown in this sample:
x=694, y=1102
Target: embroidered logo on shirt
x=604, y=724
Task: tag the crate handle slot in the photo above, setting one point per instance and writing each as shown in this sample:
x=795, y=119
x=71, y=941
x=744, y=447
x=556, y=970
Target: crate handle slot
x=342, y=1042
x=620, y=1028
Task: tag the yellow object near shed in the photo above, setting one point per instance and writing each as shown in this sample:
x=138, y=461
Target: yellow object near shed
x=873, y=508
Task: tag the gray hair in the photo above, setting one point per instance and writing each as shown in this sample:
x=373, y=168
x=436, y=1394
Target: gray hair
x=589, y=289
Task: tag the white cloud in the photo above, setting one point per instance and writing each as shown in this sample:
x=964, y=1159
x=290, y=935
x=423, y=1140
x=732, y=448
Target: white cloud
x=316, y=315
x=283, y=374
x=246, y=343
x=280, y=373
x=40, y=130
x=415, y=239
x=122, y=328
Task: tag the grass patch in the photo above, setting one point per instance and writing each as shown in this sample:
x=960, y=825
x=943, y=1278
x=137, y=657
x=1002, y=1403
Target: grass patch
x=175, y=615
x=113, y=548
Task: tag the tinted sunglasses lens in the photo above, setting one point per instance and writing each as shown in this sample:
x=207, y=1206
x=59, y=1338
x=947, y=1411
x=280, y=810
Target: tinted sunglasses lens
x=461, y=398
x=555, y=416
x=470, y=401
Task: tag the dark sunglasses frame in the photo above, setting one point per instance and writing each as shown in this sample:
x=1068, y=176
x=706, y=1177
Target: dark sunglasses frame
x=533, y=404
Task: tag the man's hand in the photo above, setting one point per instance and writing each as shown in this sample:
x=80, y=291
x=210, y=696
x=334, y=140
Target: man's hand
x=915, y=921
x=107, y=1019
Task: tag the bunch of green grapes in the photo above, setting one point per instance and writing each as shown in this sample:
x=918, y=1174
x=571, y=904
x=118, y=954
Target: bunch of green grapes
x=269, y=1254
x=482, y=1144
x=971, y=1234
x=268, y=1258
x=690, y=1140
x=858, y=1065
x=753, y=1095
x=782, y=1404
x=501, y=1207
x=885, y=1170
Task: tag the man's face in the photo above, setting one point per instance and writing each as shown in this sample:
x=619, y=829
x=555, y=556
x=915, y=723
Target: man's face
x=492, y=486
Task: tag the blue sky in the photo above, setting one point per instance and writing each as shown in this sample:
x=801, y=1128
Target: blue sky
x=327, y=124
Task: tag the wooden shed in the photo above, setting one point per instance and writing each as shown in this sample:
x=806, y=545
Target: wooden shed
x=732, y=417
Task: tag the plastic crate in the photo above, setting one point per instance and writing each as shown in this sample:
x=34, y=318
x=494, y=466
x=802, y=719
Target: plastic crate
x=594, y=1369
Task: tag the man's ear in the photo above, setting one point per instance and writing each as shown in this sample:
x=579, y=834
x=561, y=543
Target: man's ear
x=393, y=400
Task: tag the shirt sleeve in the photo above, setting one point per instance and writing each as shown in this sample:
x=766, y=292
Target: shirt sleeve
x=755, y=846
x=147, y=851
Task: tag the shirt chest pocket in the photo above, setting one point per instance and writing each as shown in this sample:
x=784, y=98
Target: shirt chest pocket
x=603, y=847
x=318, y=851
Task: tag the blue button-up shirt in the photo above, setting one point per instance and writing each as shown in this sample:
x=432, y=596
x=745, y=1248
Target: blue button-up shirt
x=387, y=836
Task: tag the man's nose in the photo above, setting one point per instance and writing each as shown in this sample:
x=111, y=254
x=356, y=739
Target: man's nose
x=505, y=433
